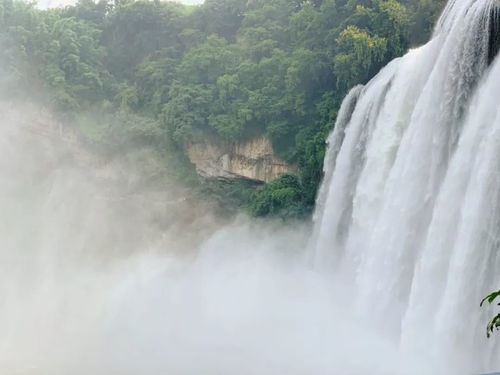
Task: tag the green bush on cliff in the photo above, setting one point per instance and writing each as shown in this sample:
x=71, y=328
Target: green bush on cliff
x=283, y=197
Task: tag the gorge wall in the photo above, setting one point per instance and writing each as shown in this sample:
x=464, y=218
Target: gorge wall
x=254, y=160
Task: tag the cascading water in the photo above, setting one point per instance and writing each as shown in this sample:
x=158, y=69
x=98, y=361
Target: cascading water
x=411, y=203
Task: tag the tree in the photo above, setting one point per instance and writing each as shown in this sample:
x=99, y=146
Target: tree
x=186, y=115
x=358, y=52
x=281, y=197
x=205, y=63
x=136, y=30
x=222, y=17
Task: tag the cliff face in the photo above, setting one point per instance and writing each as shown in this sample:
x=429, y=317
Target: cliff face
x=254, y=160
x=62, y=146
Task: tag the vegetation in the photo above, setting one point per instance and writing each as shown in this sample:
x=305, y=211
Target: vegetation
x=281, y=197
x=162, y=73
x=494, y=324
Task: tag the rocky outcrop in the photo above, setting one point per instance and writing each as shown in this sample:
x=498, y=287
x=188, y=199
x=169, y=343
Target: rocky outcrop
x=254, y=160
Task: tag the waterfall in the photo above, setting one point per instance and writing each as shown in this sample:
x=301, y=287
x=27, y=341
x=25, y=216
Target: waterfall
x=102, y=272
x=409, y=210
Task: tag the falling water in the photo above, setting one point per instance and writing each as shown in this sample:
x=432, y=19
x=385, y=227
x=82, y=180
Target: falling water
x=411, y=203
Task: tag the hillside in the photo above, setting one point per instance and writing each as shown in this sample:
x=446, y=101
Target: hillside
x=129, y=74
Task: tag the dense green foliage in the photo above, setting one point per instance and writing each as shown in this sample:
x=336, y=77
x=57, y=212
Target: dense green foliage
x=494, y=323
x=282, y=197
x=165, y=73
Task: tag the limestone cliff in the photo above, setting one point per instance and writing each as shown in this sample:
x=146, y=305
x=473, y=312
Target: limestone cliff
x=254, y=159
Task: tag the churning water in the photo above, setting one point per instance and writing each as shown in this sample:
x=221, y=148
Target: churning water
x=103, y=277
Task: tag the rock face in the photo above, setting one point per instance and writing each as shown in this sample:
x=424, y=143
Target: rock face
x=254, y=160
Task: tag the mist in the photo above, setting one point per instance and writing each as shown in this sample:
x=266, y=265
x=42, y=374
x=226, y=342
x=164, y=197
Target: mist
x=101, y=276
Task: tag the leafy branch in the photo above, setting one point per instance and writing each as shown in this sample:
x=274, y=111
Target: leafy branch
x=494, y=323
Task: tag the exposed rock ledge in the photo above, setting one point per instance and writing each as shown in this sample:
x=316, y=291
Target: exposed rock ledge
x=254, y=160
